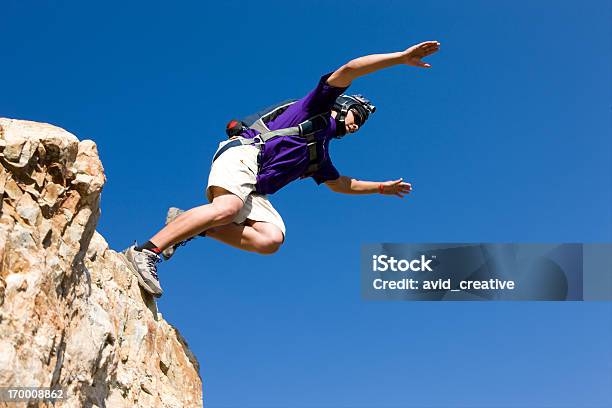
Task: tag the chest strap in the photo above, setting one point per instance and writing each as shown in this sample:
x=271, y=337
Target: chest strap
x=306, y=129
x=257, y=140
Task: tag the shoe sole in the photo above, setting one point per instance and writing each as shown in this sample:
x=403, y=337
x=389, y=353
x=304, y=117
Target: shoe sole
x=171, y=215
x=165, y=255
x=141, y=281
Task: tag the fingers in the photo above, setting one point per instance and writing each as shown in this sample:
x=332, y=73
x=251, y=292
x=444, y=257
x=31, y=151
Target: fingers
x=401, y=184
x=423, y=50
x=398, y=188
x=429, y=51
x=427, y=45
x=428, y=48
x=401, y=192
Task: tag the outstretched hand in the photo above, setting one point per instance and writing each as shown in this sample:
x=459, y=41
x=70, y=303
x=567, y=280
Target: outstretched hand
x=413, y=55
x=395, y=187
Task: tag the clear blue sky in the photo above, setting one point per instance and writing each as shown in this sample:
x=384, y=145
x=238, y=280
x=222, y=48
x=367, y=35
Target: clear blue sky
x=506, y=139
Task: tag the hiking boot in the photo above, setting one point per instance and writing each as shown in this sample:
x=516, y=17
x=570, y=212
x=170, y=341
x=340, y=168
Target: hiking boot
x=144, y=265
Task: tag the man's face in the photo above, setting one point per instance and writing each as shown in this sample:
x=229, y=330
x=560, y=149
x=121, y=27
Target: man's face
x=350, y=123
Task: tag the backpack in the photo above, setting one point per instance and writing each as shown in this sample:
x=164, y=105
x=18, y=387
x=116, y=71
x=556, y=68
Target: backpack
x=259, y=121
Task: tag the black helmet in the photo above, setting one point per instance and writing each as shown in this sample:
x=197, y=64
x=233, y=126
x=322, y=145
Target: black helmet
x=360, y=105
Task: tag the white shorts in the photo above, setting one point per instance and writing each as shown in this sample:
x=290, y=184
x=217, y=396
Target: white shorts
x=236, y=171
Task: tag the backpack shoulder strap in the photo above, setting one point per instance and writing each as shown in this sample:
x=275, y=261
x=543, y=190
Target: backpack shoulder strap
x=307, y=130
x=259, y=120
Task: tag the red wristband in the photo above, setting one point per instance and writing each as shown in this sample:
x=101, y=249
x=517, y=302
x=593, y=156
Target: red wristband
x=381, y=188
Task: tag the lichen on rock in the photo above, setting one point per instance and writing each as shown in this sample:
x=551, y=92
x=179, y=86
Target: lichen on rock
x=71, y=313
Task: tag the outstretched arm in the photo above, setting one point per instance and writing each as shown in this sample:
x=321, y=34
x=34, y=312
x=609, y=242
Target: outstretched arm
x=347, y=185
x=344, y=75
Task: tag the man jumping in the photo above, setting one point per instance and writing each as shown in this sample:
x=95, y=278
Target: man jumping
x=258, y=161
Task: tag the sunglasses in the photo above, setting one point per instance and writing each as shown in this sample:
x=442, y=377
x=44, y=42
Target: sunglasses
x=357, y=116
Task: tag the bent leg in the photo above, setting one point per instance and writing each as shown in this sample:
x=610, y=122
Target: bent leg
x=254, y=236
x=224, y=207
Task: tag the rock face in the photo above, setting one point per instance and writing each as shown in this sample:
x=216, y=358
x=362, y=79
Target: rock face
x=71, y=314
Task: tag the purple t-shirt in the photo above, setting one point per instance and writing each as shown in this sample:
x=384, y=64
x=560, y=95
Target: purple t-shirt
x=285, y=158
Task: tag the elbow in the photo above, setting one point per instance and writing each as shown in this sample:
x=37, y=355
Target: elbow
x=350, y=66
x=342, y=77
x=349, y=70
x=335, y=185
x=341, y=185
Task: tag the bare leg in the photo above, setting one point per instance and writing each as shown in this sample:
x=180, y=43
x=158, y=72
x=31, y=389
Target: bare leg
x=255, y=236
x=224, y=207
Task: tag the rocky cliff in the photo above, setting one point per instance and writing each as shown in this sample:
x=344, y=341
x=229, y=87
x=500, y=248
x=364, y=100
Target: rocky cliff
x=71, y=314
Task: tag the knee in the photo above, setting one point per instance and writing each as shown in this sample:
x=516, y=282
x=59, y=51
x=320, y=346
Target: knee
x=270, y=244
x=225, y=213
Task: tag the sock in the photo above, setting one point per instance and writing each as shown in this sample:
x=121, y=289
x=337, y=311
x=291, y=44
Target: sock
x=150, y=246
